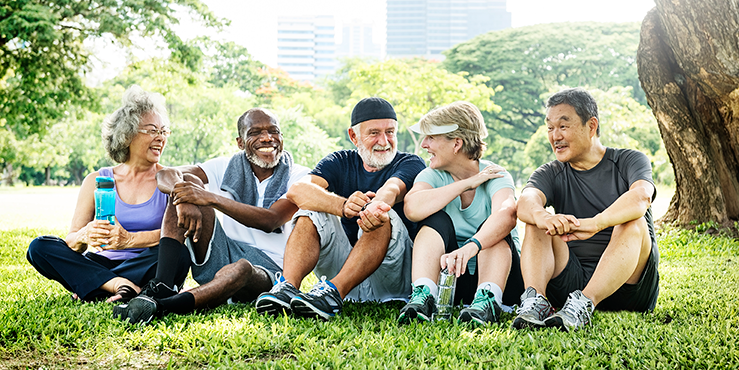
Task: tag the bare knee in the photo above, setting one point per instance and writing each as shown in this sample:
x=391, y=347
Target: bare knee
x=239, y=270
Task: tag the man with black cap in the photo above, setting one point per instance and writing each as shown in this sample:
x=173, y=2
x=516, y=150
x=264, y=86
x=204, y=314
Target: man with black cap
x=351, y=229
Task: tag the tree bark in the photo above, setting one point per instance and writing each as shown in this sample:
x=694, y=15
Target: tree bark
x=688, y=63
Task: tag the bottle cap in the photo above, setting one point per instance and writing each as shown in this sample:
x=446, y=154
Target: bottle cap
x=103, y=182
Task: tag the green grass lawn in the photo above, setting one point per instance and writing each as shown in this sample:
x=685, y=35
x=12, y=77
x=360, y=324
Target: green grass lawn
x=695, y=325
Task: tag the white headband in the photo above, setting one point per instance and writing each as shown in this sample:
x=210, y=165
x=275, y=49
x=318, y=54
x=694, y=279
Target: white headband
x=435, y=130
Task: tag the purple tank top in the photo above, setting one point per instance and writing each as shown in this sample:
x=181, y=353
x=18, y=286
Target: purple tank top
x=146, y=216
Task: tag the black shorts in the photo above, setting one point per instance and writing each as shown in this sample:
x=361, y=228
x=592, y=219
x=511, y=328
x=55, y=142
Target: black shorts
x=640, y=297
x=467, y=283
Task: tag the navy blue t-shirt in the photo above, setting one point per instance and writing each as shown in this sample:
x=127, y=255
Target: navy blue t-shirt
x=584, y=194
x=344, y=171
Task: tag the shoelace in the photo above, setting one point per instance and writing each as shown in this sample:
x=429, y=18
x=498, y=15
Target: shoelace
x=528, y=304
x=480, y=299
x=577, y=308
x=321, y=288
x=418, y=296
x=280, y=284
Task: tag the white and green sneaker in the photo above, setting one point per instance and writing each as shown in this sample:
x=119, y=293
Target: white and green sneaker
x=421, y=306
x=483, y=310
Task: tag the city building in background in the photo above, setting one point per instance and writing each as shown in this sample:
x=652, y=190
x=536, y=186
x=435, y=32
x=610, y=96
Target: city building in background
x=306, y=46
x=425, y=28
x=356, y=41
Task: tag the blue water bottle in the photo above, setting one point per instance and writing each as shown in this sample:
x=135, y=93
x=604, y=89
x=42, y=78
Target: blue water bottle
x=104, y=199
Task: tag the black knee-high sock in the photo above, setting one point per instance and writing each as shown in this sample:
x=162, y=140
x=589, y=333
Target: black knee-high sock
x=168, y=267
x=179, y=303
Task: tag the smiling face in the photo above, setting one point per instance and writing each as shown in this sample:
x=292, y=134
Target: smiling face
x=441, y=149
x=570, y=139
x=144, y=146
x=262, y=140
x=375, y=142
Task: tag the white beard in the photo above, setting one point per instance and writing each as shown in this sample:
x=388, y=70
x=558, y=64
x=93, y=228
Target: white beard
x=375, y=160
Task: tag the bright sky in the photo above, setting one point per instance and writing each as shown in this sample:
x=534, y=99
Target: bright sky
x=254, y=22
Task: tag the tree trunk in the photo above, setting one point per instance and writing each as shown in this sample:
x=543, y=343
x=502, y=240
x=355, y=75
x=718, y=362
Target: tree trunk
x=688, y=62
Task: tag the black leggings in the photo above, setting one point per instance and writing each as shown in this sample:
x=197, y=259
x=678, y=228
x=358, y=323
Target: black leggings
x=467, y=283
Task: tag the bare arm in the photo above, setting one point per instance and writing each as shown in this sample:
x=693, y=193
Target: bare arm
x=423, y=200
x=531, y=211
x=496, y=227
x=630, y=206
x=169, y=176
x=310, y=194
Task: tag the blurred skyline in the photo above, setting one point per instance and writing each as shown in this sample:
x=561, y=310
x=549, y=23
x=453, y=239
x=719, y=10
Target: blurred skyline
x=254, y=23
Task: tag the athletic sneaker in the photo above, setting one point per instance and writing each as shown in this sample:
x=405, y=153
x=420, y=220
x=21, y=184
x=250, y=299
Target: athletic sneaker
x=534, y=309
x=483, y=310
x=144, y=307
x=421, y=306
x=323, y=301
x=575, y=314
x=277, y=300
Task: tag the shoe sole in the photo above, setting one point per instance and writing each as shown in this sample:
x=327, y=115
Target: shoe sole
x=412, y=315
x=521, y=323
x=467, y=317
x=304, y=308
x=557, y=322
x=272, y=305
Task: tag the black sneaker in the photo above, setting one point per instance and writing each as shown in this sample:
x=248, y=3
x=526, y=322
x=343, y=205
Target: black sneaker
x=421, y=306
x=278, y=298
x=323, y=301
x=534, y=309
x=575, y=314
x=144, y=307
x=483, y=310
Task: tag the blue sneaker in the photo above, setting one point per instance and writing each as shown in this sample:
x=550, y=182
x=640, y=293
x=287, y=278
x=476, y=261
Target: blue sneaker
x=421, y=306
x=323, y=301
x=278, y=298
x=483, y=310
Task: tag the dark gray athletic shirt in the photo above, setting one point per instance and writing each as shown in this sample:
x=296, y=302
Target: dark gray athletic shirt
x=584, y=194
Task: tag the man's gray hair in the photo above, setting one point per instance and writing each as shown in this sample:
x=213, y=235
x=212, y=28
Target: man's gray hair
x=122, y=126
x=579, y=99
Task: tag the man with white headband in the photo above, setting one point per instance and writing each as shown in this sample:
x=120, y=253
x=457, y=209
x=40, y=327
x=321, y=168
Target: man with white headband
x=351, y=229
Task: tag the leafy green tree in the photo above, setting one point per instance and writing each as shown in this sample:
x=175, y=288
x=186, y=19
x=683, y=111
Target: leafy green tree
x=43, y=58
x=624, y=123
x=230, y=64
x=307, y=142
x=531, y=61
x=414, y=87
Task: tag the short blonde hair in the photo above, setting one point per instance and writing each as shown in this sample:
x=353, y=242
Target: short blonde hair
x=471, y=128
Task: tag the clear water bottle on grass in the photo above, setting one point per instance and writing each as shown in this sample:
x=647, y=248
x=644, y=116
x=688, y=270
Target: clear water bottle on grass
x=444, y=305
x=105, y=199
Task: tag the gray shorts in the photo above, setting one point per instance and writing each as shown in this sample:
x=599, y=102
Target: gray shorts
x=222, y=251
x=391, y=281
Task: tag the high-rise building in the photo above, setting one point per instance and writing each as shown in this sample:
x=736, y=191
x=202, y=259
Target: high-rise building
x=356, y=40
x=306, y=46
x=428, y=27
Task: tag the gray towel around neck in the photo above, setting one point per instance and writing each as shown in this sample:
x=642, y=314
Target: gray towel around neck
x=239, y=180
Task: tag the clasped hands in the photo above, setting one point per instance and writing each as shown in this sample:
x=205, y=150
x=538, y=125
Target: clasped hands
x=372, y=213
x=187, y=196
x=102, y=235
x=568, y=227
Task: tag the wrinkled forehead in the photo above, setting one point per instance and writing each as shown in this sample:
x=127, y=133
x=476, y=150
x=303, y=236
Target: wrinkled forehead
x=150, y=119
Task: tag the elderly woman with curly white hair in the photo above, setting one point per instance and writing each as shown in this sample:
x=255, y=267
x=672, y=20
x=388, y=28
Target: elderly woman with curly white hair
x=97, y=259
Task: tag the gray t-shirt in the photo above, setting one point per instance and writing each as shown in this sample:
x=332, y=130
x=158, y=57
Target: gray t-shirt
x=584, y=194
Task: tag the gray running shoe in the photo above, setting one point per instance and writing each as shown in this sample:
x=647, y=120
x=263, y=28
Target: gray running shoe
x=421, y=306
x=278, y=298
x=534, y=309
x=323, y=301
x=575, y=314
x=483, y=310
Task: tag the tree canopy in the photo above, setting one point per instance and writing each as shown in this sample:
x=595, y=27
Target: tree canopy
x=43, y=58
